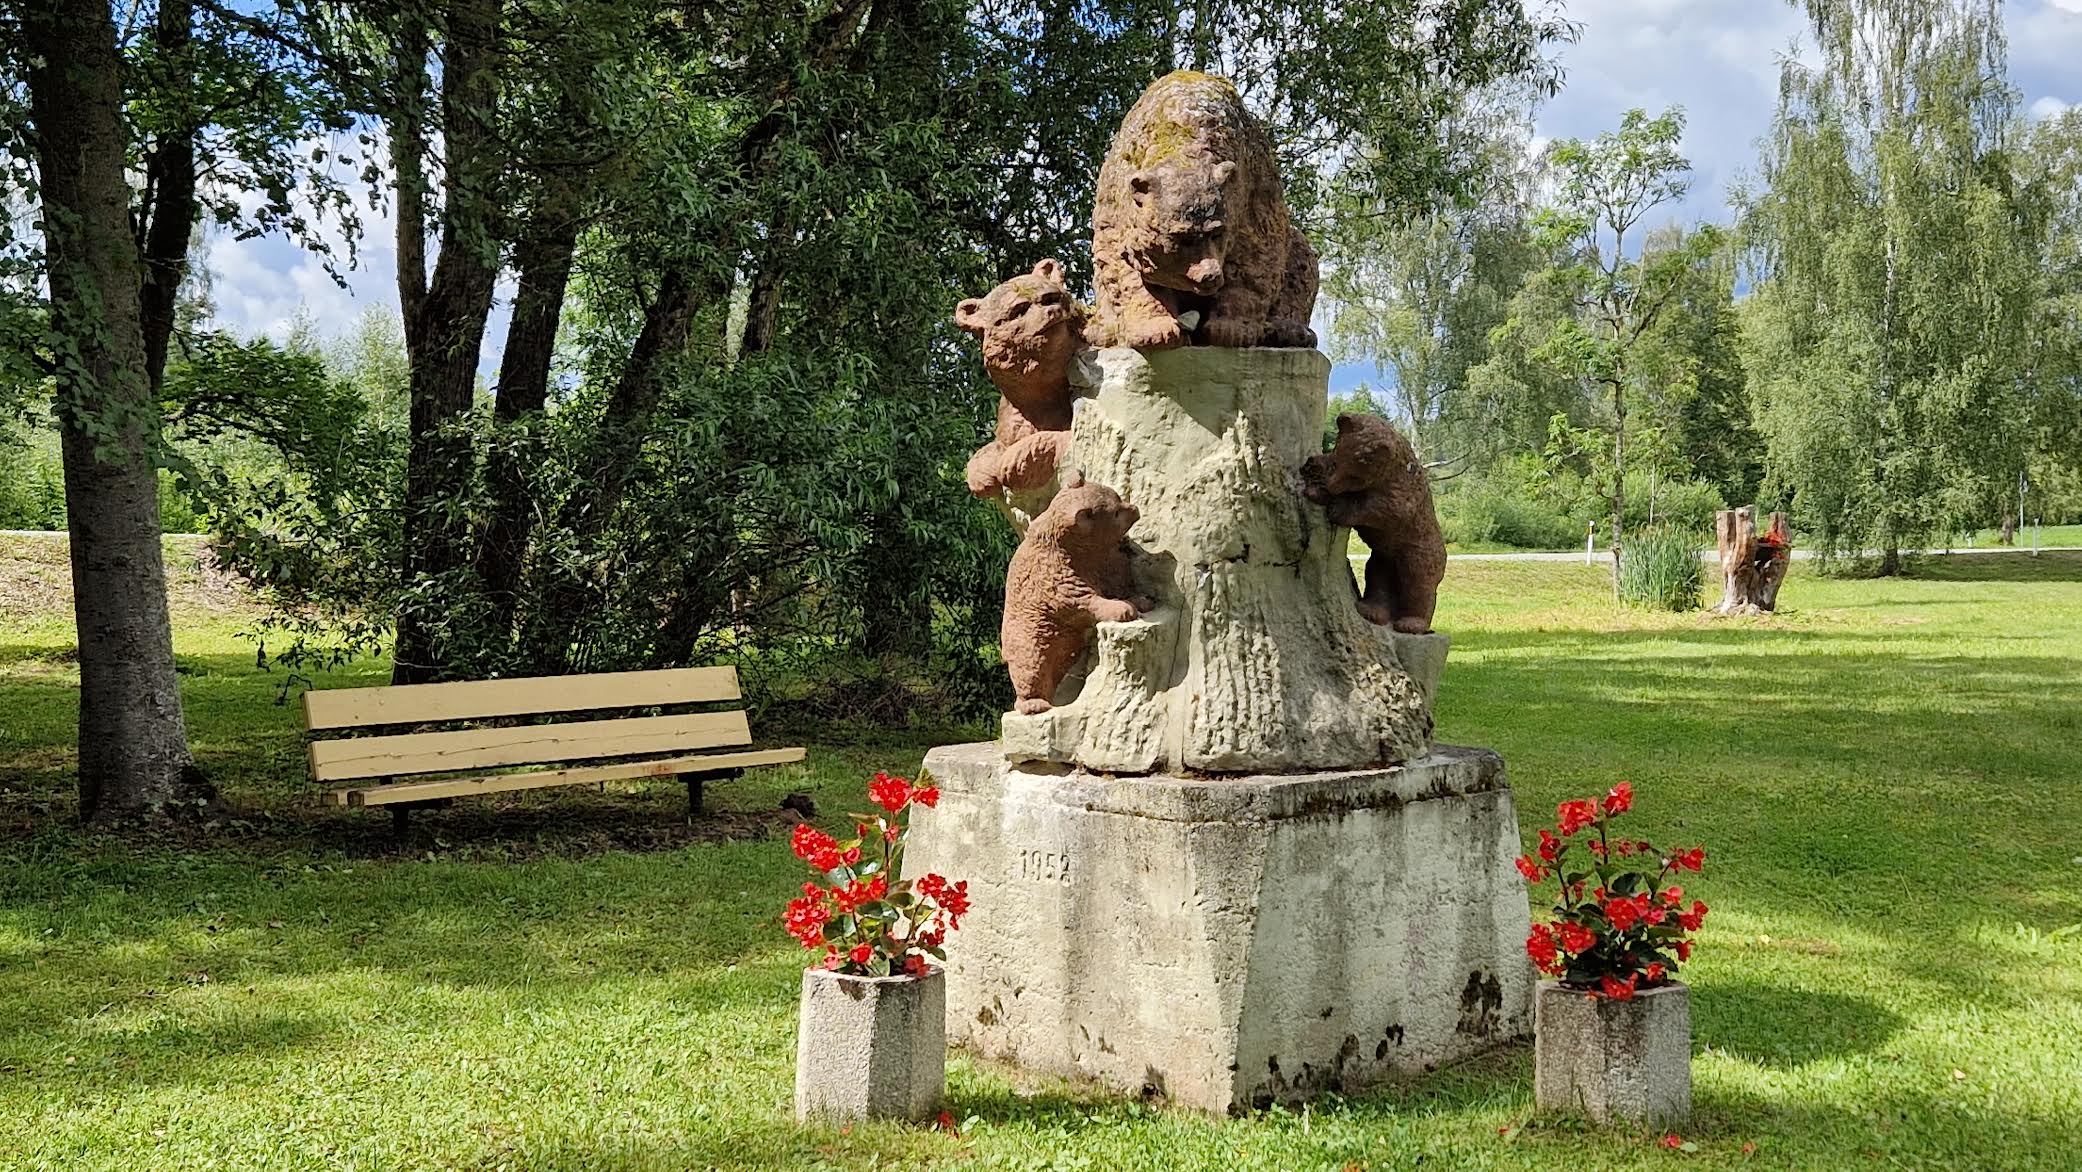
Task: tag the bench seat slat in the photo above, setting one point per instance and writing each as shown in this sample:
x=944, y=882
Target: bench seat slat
x=454, y=787
x=530, y=696
x=488, y=748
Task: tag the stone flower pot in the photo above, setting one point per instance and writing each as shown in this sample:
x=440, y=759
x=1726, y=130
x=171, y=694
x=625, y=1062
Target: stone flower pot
x=870, y=1047
x=1613, y=1061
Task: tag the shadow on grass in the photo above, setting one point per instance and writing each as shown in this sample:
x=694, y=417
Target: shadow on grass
x=2047, y=566
x=1783, y=1027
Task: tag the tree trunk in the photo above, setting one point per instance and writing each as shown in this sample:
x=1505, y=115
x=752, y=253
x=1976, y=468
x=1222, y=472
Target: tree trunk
x=169, y=220
x=133, y=743
x=445, y=329
x=544, y=263
x=1619, y=477
x=1752, y=566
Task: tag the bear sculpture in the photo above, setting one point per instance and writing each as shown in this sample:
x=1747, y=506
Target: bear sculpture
x=1070, y=573
x=1372, y=481
x=1191, y=237
x=1031, y=330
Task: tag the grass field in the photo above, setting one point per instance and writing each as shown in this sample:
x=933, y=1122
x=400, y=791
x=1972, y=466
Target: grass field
x=1885, y=776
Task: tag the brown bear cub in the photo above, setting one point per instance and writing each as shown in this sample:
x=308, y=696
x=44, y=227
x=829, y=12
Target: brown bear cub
x=1372, y=481
x=1031, y=330
x=1069, y=574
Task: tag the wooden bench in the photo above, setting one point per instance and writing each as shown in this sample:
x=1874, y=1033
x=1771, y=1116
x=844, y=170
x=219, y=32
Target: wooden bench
x=460, y=762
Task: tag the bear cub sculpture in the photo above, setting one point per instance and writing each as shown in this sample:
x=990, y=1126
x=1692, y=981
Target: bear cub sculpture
x=1069, y=574
x=1372, y=481
x=1031, y=330
x=1192, y=241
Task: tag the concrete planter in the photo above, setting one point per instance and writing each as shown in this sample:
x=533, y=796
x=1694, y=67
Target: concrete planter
x=1614, y=1061
x=870, y=1047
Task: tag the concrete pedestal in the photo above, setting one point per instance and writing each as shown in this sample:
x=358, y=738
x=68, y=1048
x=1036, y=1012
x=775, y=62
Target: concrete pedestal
x=1232, y=941
x=1615, y=1061
x=870, y=1047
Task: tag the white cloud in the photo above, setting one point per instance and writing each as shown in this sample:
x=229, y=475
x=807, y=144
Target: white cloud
x=260, y=285
x=1719, y=59
x=2049, y=107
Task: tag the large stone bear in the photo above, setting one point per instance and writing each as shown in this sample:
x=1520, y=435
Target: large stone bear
x=1031, y=329
x=1069, y=574
x=1372, y=481
x=1191, y=237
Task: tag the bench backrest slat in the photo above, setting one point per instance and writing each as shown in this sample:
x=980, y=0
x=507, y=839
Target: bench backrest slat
x=479, y=699
x=534, y=744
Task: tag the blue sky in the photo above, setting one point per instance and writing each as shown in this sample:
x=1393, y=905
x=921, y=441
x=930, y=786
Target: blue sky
x=1716, y=58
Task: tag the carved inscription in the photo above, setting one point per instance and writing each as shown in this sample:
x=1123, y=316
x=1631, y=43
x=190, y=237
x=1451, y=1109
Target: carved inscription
x=1038, y=866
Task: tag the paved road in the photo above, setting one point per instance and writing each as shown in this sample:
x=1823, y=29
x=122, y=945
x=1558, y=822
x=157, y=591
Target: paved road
x=1710, y=555
x=1574, y=556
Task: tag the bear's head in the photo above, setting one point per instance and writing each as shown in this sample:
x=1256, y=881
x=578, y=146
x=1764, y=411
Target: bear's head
x=1030, y=328
x=1181, y=235
x=1084, y=515
x=1369, y=453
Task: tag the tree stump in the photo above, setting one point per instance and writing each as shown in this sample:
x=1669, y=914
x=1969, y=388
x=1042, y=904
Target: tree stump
x=1256, y=658
x=1752, y=565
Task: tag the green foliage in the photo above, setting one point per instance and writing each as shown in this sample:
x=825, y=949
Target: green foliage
x=1890, y=332
x=1588, y=338
x=1662, y=569
x=32, y=477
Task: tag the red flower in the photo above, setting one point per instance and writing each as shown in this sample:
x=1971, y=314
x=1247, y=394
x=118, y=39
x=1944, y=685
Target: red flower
x=1655, y=971
x=1540, y=946
x=858, y=892
x=1616, y=989
x=890, y=793
x=1621, y=913
x=1619, y=799
x=915, y=965
x=946, y=1123
x=1691, y=860
x=1693, y=918
x=1684, y=950
x=1550, y=846
x=1577, y=938
x=861, y=954
x=1575, y=815
x=809, y=843
x=1531, y=870
x=805, y=917
x=1673, y=895
x=926, y=795
x=1673, y=1141
x=833, y=961
x=1597, y=848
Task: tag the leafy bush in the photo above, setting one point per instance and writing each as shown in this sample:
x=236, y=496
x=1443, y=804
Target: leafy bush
x=1659, y=568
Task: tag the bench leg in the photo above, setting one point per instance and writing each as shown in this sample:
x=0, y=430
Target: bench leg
x=694, y=787
x=400, y=823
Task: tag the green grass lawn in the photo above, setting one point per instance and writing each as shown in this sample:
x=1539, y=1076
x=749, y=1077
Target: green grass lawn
x=1885, y=777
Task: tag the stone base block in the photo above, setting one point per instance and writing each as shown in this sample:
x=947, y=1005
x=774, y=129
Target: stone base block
x=1614, y=1061
x=870, y=1047
x=1231, y=941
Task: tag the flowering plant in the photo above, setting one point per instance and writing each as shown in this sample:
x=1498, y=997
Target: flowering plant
x=867, y=922
x=1617, y=928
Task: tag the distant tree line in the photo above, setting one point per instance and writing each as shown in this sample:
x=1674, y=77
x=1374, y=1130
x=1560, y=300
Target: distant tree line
x=1904, y=360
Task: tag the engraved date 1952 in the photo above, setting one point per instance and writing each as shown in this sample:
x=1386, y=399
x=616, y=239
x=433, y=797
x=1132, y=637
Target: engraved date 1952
x=1040, y=866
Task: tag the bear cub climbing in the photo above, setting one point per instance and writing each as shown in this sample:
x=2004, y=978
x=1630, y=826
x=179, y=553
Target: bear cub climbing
x=1070, y=573
x=1372, y=481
